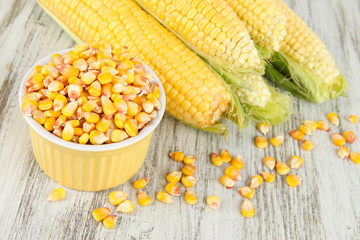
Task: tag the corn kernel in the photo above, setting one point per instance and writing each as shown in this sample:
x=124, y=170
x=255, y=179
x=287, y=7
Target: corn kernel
x=91, y=117
x=56, y=86
x=131, y=128
x=88, y=77
x=125, y=207
x=67, y=70
x=255, y=182
x=338, y=139
x=343, y=152
x=74, y=91
x=261, y=142
x=310, y=124
x=216, y=159
x=35, y=96
x=84, y=138
x=246, y=192
x=103, y=124
x=69, y=109
x=348, y=135
x=352, y=118
x=39, y=116
x=97, y=137
x=49, y=71
x=247, y=209
x=141, y=183
x=225, y=155
x=78, y=131
x=237, y=162
x=282, y=168
x=105, y=77
x=305, y=129
x=270, y=162
x=120, y=106
x=119, y=120
x=132, y=109
x=173, y=189
x=38, y=68
x=60, y=102
x=59, y=121
x=227, y=182
x=322, y=125
x=143, y=198
x=233, y=173
x=73, y=123
x=34, y=79
x=110, y=221
x=268, y=177
x=277, y=141
x=177, y=156
x=129, y=90
x=293, y=180
x=174, y=177
x=71, y=57
x=68, y=132
x=333, y=118
x=147, y=106
x=189, y=159
x=296, y=162
x=118, y=88
x=296, y=134
x=95, y=89
x=57, y=132
x=188, y=181
x=188, y=169
x=263, y=128
x=213, y=202
x=190, y=197
x=49, y=123
x=118, y=135
x=307, y=145
x=164, y=197
x=88, y=127
x=29, y=107
x=52, y=113
x=117, y=197
x=57, y=194
x=101, y=213
x=80, y=64
x=35, y=87
x=355, y=157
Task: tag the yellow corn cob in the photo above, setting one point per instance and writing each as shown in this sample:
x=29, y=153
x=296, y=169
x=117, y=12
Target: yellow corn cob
x=194, y=93
x=264, y=19
x=210, y=28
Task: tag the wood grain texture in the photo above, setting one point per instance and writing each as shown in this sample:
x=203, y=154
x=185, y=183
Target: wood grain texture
x=325, y=206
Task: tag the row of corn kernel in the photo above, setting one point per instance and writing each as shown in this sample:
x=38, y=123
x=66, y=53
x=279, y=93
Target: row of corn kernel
x=92, y=93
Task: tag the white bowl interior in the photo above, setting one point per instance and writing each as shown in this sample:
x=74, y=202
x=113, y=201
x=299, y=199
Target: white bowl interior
x=92, y=148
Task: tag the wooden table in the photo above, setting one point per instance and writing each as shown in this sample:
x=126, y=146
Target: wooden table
x=325, y=206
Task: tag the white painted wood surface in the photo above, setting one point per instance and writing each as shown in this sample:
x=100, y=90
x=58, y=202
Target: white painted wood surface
x=325, y=206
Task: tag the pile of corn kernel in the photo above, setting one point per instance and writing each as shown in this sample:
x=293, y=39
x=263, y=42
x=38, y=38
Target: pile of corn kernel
x=92, y=93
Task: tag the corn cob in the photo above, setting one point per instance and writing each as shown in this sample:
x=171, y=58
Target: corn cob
x=264, y=19
x=209, y=28
x=303, y=65
x=195, y=94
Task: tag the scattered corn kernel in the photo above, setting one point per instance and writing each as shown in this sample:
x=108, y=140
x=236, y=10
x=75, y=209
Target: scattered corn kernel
x=117, y=197
x=227, y=182
x=110, y=221
x=270, y=162
x=293, y=180
x=307, y=145
x=225, y=155
x=296, y=162
x=190, y=197
x=282, y=168
x=57, y=194
x=141, y=183
x=343, y=152
x=101, y=213
x=174, y=177
x=261, y=142
x=338, y=139
x=173, y=189
x=305, y=129
x=263, y=128
x=188, y=181
x=296, y=134
x=237, y=162
x=349, y=136
x=164, y=197
x=352, y=118
x=310, y=124
x=233, y=173
x=277, y=141
x=189, y=159
x=177, y=156
x=247, y=209
x=269, y=177
x=125, y=207
x=355, y=157
x=216, y=160
x=188, y=169
x=143, y=198
x=322, y=125
x=255, y=182
x=246, y=192
x=333, y=118
x=213, y=202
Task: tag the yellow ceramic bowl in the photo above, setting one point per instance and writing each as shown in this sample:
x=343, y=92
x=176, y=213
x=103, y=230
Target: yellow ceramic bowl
x=89, y=167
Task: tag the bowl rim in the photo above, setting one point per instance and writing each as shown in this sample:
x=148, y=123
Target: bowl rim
x=149, y=128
